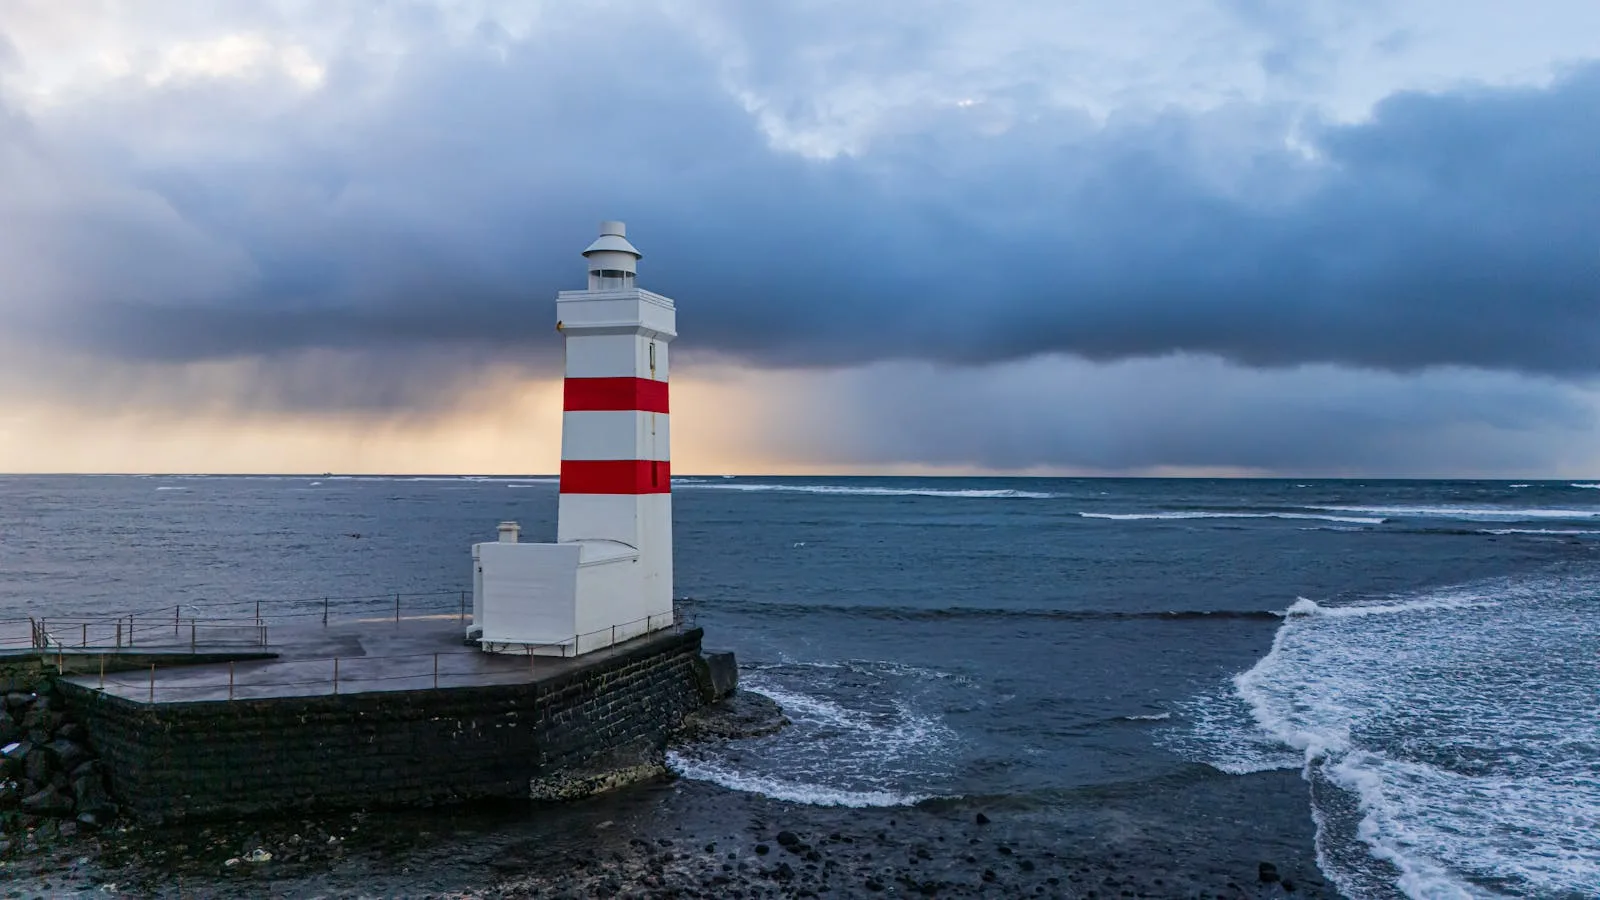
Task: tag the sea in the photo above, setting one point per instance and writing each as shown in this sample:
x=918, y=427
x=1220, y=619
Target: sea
x=1425, y=653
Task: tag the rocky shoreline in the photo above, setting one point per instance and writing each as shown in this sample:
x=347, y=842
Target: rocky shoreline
x=1200, y=834
x=51, y=783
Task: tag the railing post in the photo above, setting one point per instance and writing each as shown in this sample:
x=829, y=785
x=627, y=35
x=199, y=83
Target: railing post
x=152, y=683
x=258, y=610
x=176, y=611
x=85, y=641
x=463, y=617
x=102, y=672
x=397, y=607
x=613, y=635
x=130, y=631
x=324, y=612
x=193, y=633
x=436, y=671
x=336, y=674
x=119, y=634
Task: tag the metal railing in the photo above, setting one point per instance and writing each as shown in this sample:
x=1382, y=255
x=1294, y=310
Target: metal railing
x=343, y=674
x=154, y=628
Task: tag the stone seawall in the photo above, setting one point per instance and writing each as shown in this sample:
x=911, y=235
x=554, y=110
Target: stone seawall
x=568, y=734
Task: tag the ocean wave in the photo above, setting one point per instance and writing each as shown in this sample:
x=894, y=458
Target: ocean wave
x=1469, y=513
x=857, y=736
x=1303, y=606
x=1447, y=721
x=864, y=491
x=725, y=775
x=1153, y=717
x=1545, y=531
x=1199, y=514
x=1584, y=485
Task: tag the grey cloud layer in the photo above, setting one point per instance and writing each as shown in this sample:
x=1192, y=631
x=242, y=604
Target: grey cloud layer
x=1191, y=413
x=444, y=205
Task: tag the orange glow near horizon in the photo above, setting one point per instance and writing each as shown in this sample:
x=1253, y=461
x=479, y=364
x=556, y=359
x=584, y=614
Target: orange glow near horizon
x=725, y=422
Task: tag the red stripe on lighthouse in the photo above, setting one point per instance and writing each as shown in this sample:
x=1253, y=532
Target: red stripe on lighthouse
x=616, y=476
x=615, y=394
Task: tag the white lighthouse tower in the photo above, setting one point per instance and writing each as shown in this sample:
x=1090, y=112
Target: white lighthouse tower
x=608, y=577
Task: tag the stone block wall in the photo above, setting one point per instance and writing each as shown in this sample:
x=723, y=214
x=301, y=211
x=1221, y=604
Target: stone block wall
x=175, y=761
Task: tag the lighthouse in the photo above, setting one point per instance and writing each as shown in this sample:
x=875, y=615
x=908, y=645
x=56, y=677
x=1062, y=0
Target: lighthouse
x=608, y=576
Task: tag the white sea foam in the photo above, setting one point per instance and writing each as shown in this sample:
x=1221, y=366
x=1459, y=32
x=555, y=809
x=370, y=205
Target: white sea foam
x=1460, y=722
x=1584, y=485
x=1470, y=513
x=856, y=738
x=1566, y=531
x=169, y=487
x=865, y=491
x=1305, y=607
x=718, y=772
x=1154, y=717
x=1202, y=514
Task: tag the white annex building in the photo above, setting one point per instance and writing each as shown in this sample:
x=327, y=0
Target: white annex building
x=608, y=576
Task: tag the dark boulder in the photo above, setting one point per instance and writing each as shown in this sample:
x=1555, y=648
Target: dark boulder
x=1267, y=873
x=788, y=838
x=40, y=764
x=68, y=753
x=89, y=792
x=719, y=676
x=48, y=802
x=12, y=757
x=17, y=701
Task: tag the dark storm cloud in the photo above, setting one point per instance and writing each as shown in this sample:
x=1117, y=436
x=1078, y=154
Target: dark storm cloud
x=1194, y=413
x=445, y=206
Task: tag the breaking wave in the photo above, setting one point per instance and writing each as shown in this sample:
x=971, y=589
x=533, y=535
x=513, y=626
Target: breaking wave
x=1469, y=513
x=719, y=773
x=856, y=737
x=1449, y=737
x=1546, y=531
x=1198, y=514
x=867, y=491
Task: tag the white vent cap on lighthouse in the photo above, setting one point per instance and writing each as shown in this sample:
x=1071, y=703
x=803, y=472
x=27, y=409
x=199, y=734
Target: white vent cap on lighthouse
x=613, y=239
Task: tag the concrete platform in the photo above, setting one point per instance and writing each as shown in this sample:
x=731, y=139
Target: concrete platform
x=352, y=657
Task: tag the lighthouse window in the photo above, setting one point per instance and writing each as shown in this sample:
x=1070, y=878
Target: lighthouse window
x=612, y=278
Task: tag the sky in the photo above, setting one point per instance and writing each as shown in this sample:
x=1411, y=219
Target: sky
x=1178, y=237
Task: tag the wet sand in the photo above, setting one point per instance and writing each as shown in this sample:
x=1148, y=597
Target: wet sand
x=1198, y=834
